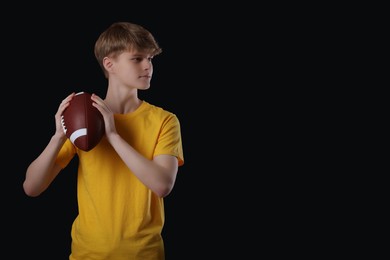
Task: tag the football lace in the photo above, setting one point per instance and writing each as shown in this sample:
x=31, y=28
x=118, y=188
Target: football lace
x=63, y=124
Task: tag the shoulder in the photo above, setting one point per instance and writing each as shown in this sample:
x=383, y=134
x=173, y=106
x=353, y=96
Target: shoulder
x=157, y=111
x=166, y=120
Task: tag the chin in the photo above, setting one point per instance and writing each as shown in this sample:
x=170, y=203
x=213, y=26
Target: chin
x=144, y=87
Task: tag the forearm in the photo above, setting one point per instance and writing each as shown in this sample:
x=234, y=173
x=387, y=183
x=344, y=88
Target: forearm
x=43, y=170
x=155, y=176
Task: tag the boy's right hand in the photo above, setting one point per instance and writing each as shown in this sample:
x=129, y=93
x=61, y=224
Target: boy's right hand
x=58, y=116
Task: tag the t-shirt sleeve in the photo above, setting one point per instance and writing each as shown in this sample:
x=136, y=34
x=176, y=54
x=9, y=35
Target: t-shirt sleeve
x=170, y=139
x=66, y=154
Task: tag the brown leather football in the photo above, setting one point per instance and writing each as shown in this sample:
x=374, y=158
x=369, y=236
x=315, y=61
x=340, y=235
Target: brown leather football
x=83, y=123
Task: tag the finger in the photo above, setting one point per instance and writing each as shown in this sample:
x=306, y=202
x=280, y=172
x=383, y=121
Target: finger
x=65, y=103
x=68, y=98
x=99, y=103
x=98, y=100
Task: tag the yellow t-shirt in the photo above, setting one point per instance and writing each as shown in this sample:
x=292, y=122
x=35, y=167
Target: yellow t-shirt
x=119, y=217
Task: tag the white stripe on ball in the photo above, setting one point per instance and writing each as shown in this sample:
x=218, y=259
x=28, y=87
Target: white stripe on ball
x=77, y=134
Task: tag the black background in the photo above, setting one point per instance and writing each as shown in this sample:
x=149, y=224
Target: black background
x=48, y=55
x=233, y=73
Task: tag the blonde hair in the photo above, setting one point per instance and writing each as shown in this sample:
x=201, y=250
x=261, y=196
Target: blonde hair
x=124, y=36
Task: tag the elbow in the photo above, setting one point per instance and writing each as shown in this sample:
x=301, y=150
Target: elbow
x=163, y=190
x=29, y=191
x=163, y=193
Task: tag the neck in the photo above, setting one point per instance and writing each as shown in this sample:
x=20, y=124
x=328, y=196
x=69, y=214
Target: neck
x=122, y=102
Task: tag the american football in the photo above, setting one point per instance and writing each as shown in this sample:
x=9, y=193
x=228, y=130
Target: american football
x=83, y=123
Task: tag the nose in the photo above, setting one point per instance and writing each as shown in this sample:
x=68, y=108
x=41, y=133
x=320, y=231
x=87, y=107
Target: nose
x=147, y=64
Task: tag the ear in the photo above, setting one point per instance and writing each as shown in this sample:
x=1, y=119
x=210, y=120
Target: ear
x=107, y=63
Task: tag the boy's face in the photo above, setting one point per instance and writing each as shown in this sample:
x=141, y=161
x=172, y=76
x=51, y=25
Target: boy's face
x=133, y=69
